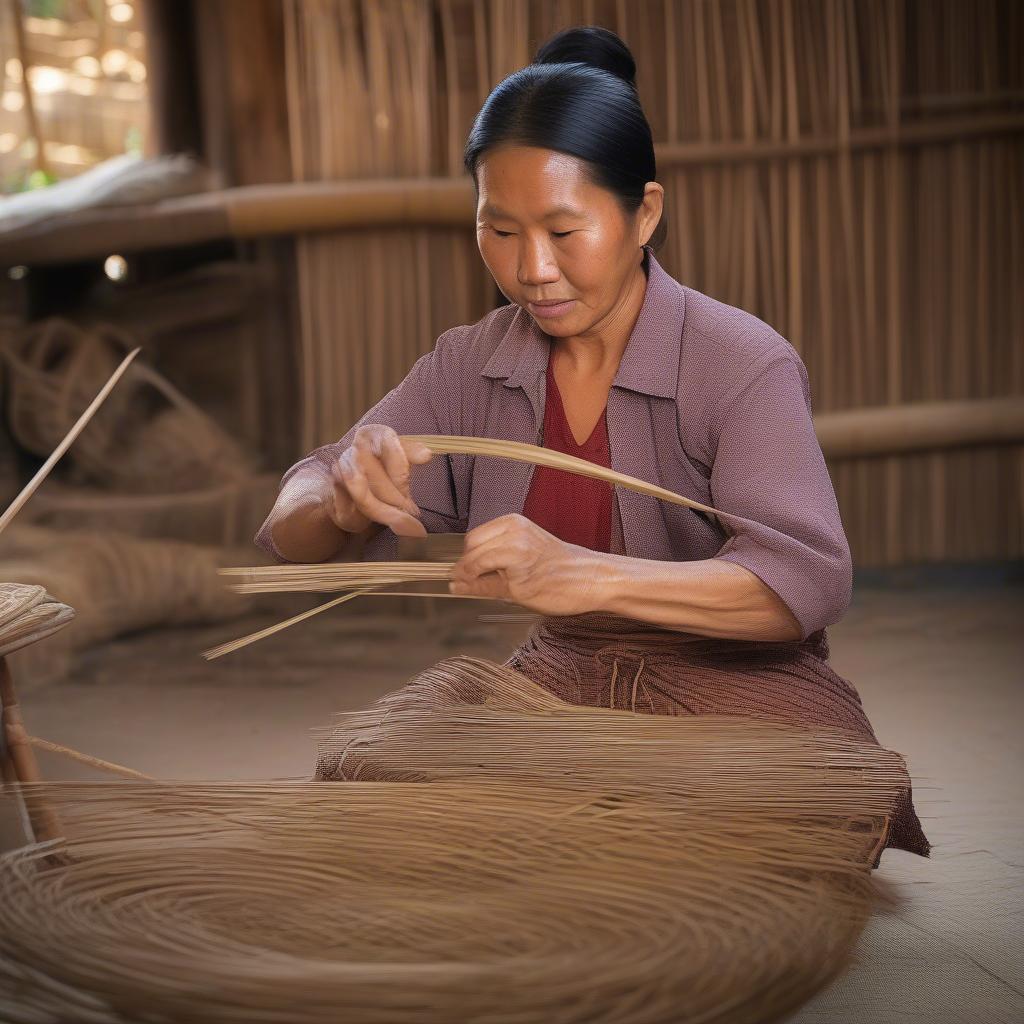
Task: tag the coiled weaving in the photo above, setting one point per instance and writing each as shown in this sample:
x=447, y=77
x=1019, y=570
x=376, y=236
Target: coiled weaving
x=494, y=854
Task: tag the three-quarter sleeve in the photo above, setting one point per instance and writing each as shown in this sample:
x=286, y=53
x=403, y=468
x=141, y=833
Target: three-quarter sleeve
x=770, y=475
x=425, y=402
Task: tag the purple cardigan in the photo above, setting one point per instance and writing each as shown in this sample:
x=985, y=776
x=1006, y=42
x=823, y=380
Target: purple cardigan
x=708, y=401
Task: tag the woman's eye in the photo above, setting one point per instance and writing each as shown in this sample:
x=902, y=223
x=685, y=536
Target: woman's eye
x=501, y=234
x=561, y=234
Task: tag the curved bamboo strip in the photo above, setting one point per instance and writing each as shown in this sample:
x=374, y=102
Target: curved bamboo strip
x=520, y=452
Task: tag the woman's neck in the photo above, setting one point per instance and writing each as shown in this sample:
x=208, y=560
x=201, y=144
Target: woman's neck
x=597, y=353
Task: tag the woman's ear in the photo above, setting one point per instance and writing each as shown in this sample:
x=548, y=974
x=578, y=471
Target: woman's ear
x=651, y=209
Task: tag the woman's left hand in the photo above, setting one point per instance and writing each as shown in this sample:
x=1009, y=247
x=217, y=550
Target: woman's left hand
x=512, y=559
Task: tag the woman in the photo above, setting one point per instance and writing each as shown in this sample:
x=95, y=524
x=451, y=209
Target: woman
x=601, y=354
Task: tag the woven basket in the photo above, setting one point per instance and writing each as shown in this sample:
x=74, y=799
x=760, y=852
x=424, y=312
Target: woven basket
x=147, y=437
x=29, y=613
x=226, y=514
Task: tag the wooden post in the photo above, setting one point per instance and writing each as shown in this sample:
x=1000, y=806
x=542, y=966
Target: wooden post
x=19, y=763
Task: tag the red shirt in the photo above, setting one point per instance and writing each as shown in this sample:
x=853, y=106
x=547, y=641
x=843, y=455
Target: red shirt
x=573, y=508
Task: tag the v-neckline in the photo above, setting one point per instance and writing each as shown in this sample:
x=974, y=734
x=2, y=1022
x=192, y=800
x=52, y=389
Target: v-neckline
x=565, y=419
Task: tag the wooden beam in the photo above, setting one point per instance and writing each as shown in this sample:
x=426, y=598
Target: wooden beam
x=306, y=207
x=924, y=133
x=253, y=211
x=922, y=426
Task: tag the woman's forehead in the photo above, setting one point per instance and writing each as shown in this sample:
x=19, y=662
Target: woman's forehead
x=517, y=180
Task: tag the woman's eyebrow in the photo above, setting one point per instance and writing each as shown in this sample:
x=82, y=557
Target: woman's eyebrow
x=563, y=211
x=490, y=210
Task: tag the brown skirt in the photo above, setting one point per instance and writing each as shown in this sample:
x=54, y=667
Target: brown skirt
x=608, y=661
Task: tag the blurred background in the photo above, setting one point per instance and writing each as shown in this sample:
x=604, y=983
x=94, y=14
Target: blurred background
x=267, y=196
x=234, y=173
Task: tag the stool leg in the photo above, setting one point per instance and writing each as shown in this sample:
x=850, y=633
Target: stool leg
x=20, y=765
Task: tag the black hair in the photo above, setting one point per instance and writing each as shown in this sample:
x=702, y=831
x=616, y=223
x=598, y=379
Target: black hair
x=578, y=97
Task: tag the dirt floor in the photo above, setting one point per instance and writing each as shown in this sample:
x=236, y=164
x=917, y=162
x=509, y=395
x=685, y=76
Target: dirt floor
x=938, y=659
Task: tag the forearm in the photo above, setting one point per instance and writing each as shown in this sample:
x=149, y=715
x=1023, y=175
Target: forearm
x=302, y=530
x=710, y=597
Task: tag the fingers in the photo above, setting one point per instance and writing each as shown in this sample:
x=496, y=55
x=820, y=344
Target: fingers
x=389, y=512
x=492, y=585
x=496, y=554
x=341, y=507
x=389, y=472
x=486, y=532
x=502, y=550
x=373, y=477
x=417, y=452
x=382, y=484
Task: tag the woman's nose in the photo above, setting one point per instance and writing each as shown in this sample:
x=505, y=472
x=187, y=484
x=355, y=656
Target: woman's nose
x=537, y=265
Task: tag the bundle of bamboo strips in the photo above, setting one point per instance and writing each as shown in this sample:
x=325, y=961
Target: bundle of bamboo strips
x=269, y=579
x=549, y=860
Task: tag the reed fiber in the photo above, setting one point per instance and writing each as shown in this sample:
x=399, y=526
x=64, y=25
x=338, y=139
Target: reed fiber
x=27, y=614
x=529, y=860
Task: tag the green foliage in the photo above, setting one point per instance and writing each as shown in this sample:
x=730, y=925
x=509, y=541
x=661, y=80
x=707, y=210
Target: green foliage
x=45, y=8
x=133, y=140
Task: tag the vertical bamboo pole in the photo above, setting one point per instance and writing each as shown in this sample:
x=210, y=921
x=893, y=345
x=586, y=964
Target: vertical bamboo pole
x=31, y=114
x=794, y=300
x=894, y=220
x=20, y=762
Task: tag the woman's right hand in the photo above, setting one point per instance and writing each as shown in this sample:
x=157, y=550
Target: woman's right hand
x=370, y=482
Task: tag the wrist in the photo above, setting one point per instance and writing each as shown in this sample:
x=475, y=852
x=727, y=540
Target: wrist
x=603, y=575
x=322, y=506
x=303, y=529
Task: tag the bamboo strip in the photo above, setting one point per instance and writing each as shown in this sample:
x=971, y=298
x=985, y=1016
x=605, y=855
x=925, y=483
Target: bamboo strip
x=80, y=424
x=87, y=759
x=531, y=453
x=331, y=576
x=233, y=645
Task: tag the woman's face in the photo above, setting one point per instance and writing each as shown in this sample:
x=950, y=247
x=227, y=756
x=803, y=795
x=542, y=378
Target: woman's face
x=558, y=245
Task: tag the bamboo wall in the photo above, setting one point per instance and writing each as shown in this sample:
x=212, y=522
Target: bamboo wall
x=849, y=170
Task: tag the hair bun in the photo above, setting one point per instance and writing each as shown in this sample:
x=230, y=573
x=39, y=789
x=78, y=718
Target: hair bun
x=588, y=44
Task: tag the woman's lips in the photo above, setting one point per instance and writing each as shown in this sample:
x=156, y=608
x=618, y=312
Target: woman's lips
x=546, y=311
